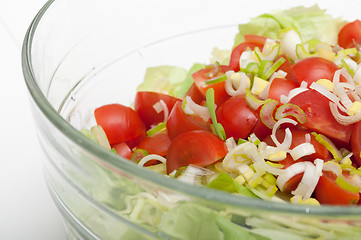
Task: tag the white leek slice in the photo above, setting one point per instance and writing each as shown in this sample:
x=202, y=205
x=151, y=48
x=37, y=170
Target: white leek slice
x=342, y=119
x=290, y=172
x=289, y=41
x=197, y=109
x=286, y=144
x=151, y=157
x=236, y=83
x=302, y=150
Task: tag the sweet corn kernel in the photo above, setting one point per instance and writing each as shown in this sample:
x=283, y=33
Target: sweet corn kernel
x=328, y=84
x=259, y=85
x=278, y=156
x=355, y=107
x=326, y=54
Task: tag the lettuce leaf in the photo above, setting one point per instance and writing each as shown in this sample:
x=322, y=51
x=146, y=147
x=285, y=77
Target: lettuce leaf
x=226, y=183
x=311, y=22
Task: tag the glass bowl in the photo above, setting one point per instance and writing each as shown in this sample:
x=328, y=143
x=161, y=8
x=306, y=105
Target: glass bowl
x=79, y=55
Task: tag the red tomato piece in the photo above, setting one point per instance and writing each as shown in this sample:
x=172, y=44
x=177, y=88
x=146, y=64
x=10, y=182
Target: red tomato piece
x=200, y=148
x=256, y=39
x=196, y=95
x=237, y=52
x=329, y=192
x=236, y=117
x=314, y=68
x=120, y=123
x=123, y=150
x=200, y=77
x=356, y=142
x=179, y=122
x=156, y=144
x=350, y=34
x=299, y=137
x=319, y=117
x=143, y=105
x=281, y=86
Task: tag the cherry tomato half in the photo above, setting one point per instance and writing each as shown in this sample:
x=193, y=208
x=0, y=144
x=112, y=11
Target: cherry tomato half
x=314, y=68
x=356, y=142
x=200, y=148
x=179, y=122
x=237, y=52
x=156, y=144
x=350, y=34
x=200, y=77
x=319, y=117
x=236, y=117
x=143, y=105
x=281, y=86
x=120, y=123
x=329, y=192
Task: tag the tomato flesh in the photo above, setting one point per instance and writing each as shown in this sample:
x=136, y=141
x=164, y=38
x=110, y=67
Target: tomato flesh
x=200, y=148
x=179, y=122
x=120, y=123
x=314, y=68
x=350, y=34
x=143, y=105
x=236, y=117
x=328, y=192
x=319, y=117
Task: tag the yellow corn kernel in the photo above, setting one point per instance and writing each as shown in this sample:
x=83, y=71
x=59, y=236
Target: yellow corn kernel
x=298, y=200
x=326, y=83
x=259, y=85
x=278, y=156
x=326, y=54
x=355, y=107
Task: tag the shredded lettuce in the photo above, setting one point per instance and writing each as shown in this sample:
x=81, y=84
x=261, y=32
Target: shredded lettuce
x=163, y=79
x=226, y=183
x=310, y=22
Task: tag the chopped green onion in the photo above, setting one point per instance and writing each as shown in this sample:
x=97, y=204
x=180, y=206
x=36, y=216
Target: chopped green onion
x=340, y=181
x=263, y=67
x=113, y=151
x=347, y=67
x=89, y=135
x=220, y=78
x=212, y=110
x=329, y=146
x=274, y=67
x=160, y=127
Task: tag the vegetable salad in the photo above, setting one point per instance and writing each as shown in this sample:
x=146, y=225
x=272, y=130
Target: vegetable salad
x=276, y=117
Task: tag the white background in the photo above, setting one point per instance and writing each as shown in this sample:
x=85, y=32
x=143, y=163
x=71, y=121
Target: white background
x=26, y=208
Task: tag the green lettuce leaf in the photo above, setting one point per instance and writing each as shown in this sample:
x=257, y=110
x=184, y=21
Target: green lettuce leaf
x=310, y=22
x=226, y=183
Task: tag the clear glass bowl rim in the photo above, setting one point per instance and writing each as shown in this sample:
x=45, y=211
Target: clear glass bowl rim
x=109, y=158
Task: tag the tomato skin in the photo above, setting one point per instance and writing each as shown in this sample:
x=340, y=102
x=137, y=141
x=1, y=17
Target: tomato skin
x=356, y=142
x=299, y=137
x=199, y=77
x=349, y=33
x=328, y=192
x=319, y=117
x=199, y=147
x=179, y=122
x=236, y=117
x=256, y=39
x=281, y=86
x=156, y=144
x=314, y=68
x=237, y=52
x=143, y=105
x=196, y=95
x=120, y=123
x=123, y=150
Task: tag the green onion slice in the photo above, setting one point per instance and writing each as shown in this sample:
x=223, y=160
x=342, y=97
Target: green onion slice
x=218, y=128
